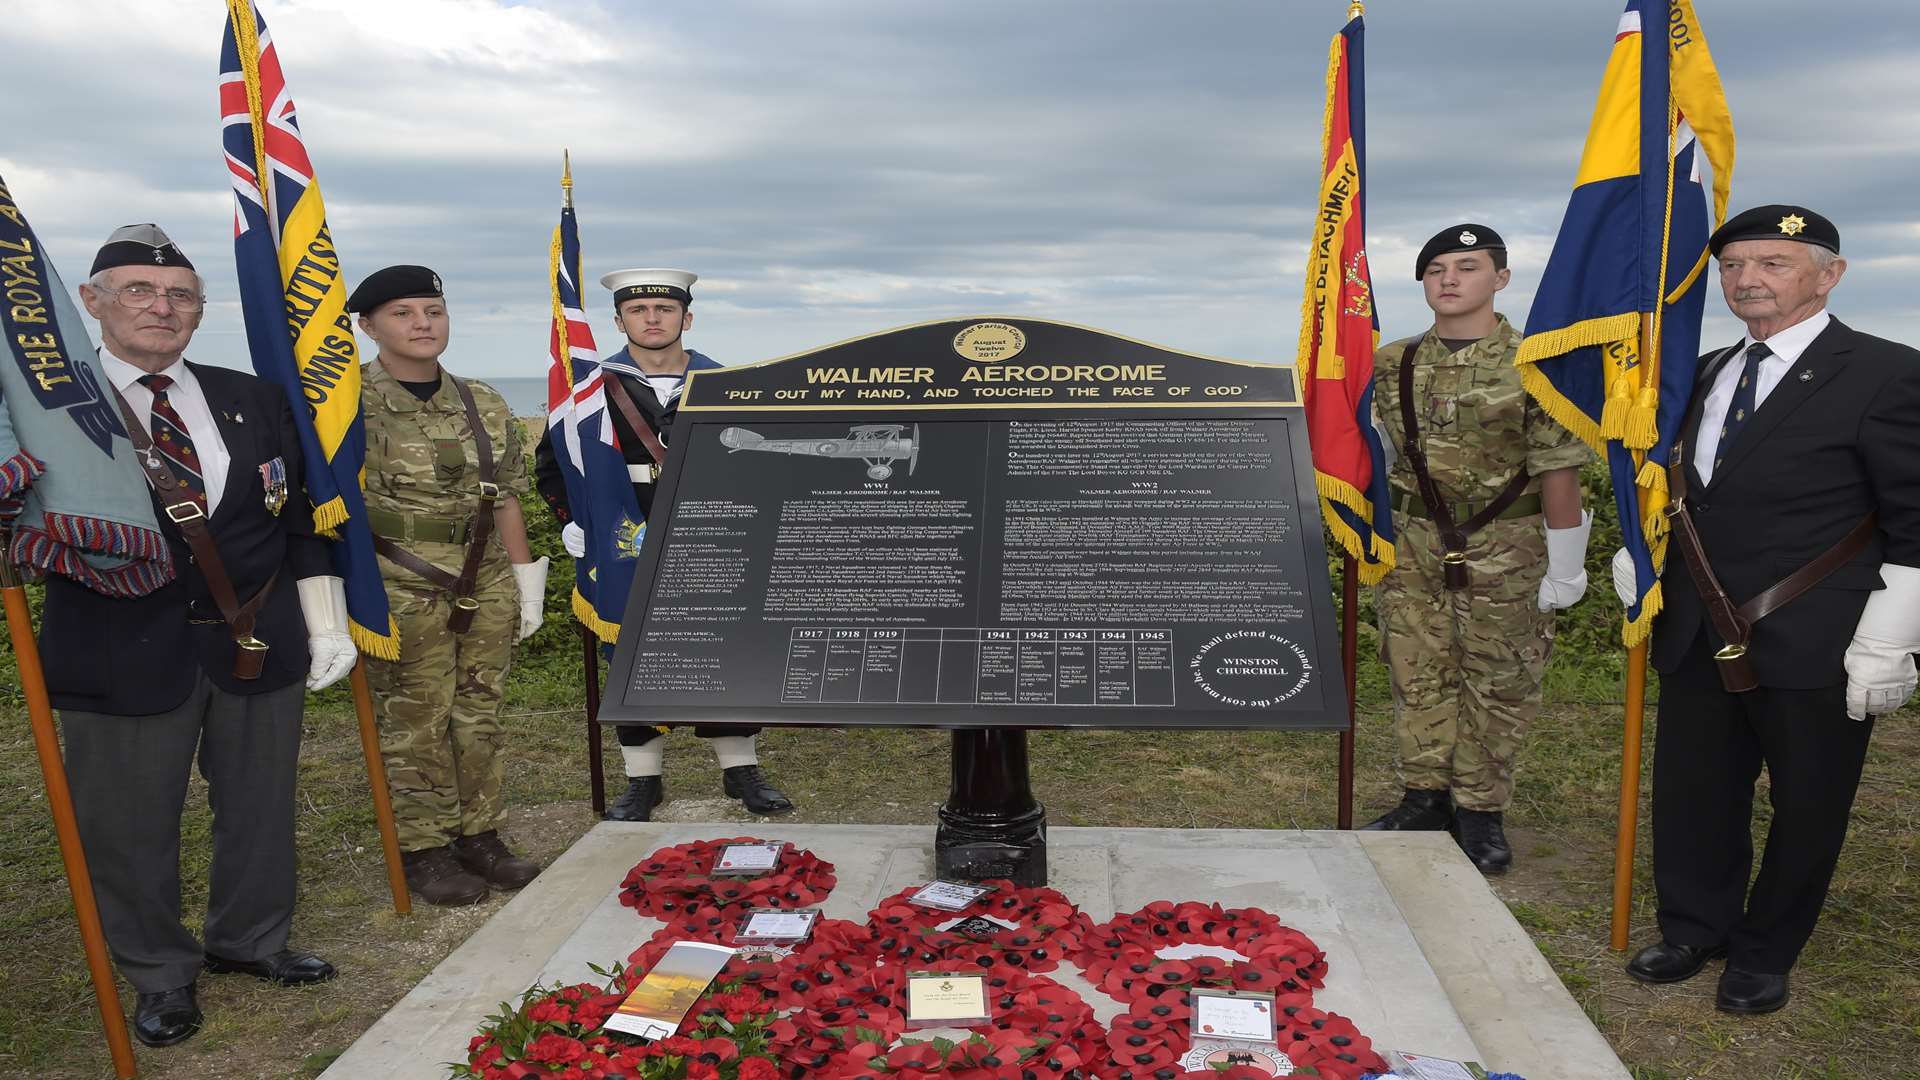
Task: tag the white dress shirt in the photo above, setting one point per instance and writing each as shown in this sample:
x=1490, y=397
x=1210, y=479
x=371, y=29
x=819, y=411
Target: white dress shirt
x=1787, y=345
x=187, y=400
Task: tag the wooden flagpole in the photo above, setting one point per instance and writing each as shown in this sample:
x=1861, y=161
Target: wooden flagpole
x=53, y=772
x=1350, y=665
x=377, y=781
x=596, y=772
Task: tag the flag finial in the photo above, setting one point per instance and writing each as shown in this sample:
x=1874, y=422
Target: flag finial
x=1355, y=10
x=566, y=177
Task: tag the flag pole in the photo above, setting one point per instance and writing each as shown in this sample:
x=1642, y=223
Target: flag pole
x=377, y=781
x=1350, y=665
x=596, y=772
x=53, y=772
x=589, y=642
x=1627, y=834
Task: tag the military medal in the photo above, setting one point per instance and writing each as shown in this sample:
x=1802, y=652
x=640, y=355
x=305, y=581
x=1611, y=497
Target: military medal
x=273, y=477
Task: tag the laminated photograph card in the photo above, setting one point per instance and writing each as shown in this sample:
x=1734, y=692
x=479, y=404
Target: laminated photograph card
x=748, y=860
x=1243, y=1015
x=771, y=926
x=656, y=1007
x=948, y=895
x=943, y=999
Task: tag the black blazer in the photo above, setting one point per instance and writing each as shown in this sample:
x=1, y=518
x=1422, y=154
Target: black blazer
x=1839, y=437
x=138, y=657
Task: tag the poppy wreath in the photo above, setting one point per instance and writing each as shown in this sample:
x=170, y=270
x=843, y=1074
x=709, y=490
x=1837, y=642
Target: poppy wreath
x=1049, y=929
x=832, y=954
x=555, y=1034
x=677, y=884
x=1040, y=1031
x=1121, y=957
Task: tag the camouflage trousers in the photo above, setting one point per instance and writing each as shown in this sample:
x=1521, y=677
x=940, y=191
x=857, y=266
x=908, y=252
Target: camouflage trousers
x=1466, y=666
x=438, y=708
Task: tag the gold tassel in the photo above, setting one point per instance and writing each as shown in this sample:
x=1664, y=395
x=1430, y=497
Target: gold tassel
x=1613, y=416
x=1642, y=427
x=1652, y=477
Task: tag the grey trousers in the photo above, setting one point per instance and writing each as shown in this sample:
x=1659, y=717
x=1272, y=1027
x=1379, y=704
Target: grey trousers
x=129, y=778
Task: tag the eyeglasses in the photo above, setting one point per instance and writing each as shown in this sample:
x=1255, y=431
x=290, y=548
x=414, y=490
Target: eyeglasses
x=140, y=296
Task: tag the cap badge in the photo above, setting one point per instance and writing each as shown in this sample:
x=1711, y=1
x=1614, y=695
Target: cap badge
x=160, y=256
x=1792, y=224
x=436, y=282
x=1467, y=237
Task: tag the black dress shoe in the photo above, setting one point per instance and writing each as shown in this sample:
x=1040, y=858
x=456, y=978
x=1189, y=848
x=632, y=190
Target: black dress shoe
x=1482, y=834
x=1666, y=962
x=167, y=1017
x=637, y=802
x=745, y=782
x=1420, y=810
x=1749, y=993
x=286, y=967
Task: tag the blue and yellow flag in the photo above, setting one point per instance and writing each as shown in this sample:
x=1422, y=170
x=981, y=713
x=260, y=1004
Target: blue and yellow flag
x=294, y=301
x=1614, y=334
x=1339, y=328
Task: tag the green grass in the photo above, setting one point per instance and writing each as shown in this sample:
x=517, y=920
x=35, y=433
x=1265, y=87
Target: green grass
x=1856, y=1007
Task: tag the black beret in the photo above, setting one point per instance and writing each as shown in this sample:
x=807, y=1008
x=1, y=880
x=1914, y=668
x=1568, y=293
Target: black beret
x=393, y=283
x=1777, y=222
x=138, y=245
x=1468, y=237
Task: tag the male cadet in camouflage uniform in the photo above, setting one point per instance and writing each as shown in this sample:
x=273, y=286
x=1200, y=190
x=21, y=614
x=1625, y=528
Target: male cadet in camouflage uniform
x=447, y=521
x=1467, y=655
x=653, y=308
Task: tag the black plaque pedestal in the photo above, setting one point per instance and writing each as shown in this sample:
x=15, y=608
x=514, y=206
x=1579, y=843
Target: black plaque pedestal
x=991, y=825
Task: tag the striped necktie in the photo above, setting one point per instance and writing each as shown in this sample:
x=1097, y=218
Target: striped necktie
x=170, y=438
x=1740, y=409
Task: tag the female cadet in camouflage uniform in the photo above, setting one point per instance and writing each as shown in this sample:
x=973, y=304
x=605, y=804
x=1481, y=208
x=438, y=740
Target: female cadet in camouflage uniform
x=1466, y=645
x=443, y=501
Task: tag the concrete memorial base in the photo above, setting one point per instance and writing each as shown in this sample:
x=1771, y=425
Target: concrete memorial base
x=1421, y=954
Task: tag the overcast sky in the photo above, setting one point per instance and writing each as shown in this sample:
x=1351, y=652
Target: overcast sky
x=835, y=167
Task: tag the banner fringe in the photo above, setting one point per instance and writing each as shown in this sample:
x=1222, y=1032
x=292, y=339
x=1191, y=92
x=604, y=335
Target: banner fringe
x=379, y=646
x=330, y=515
x=583, y=610
x=1635, y=632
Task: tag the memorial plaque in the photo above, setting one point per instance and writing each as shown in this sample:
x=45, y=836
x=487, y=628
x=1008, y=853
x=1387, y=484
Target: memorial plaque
x=985, y=522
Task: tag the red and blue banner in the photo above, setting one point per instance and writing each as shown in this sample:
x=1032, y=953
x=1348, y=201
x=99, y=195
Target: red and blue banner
x=1614, y=334
x=599, y=493
x=1339, y=329
x=294, y=301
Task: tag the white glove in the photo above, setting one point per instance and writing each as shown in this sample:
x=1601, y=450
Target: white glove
x=323, y=600
x=1566, y=580
x=1880, y=672
x=574, y=539
x=1624, y=579
x=531, y=579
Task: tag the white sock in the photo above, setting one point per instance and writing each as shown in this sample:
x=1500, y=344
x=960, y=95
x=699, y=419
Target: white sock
x=734, y=750
x=645, y=760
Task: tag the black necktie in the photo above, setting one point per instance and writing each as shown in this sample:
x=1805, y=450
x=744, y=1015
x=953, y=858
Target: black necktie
x=170, y=438
x=1740, y=410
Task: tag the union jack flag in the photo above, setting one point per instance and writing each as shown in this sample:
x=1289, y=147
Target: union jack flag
x=599, y=493
x=294, y=301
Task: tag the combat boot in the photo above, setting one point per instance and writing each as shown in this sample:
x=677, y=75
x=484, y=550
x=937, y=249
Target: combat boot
x=746, y=783
x=1482, y=835
x=637, y=802
x=436, y=877
x=1420, y=810
x=486, y=855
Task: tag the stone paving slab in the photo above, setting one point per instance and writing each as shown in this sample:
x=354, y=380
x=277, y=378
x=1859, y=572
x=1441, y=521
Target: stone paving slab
x=1421, y=954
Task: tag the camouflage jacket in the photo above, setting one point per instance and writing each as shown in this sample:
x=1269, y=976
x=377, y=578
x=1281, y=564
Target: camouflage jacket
x=422, y=459
x=1478, y=425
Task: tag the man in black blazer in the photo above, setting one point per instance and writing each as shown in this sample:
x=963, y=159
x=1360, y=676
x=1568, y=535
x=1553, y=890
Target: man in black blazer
x=144, y=684
x=1792, y=438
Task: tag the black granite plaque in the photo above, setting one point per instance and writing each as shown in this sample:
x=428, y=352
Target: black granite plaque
x=985, y=522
